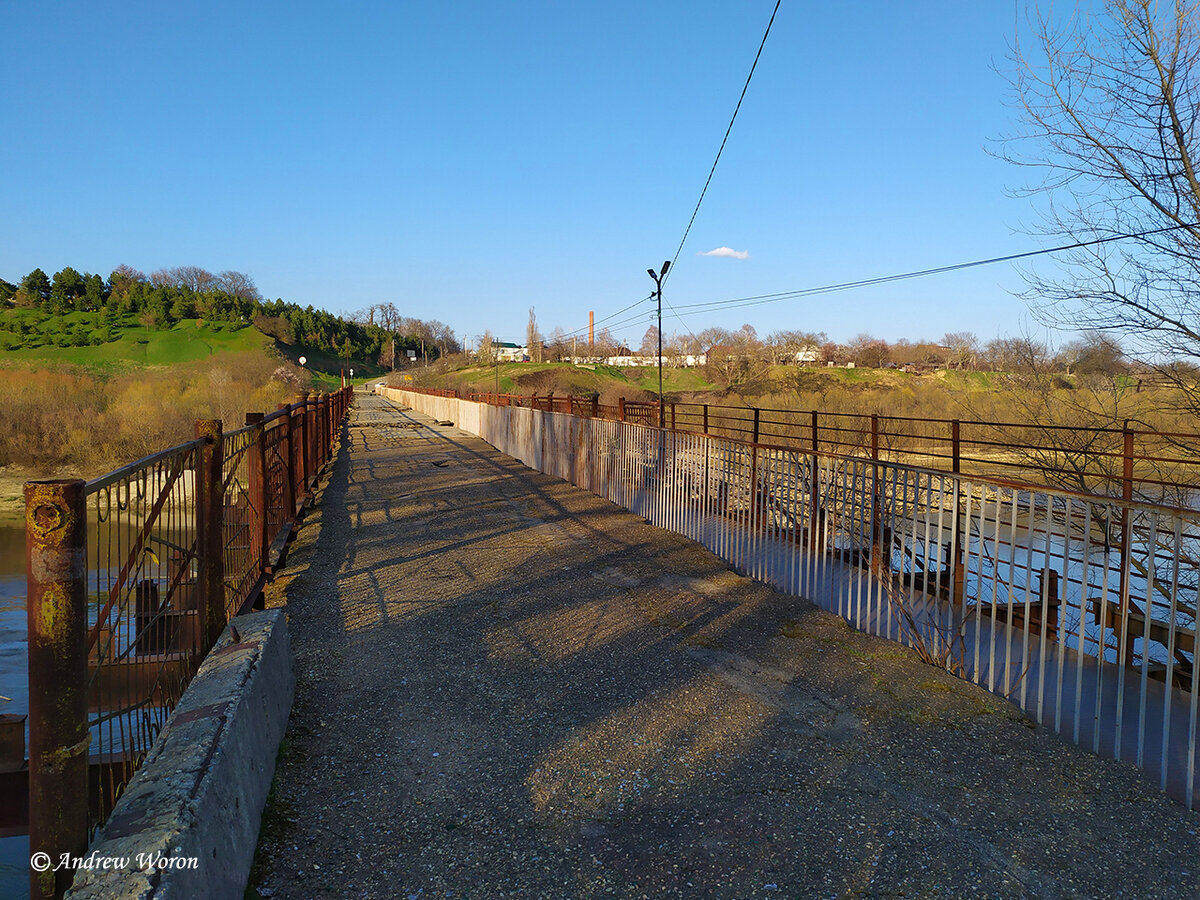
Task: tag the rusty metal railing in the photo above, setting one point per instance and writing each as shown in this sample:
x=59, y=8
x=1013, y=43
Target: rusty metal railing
x=1128, y=462
x=132, y=577
x=1081, y=609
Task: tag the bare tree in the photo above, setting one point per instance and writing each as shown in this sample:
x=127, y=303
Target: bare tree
x=533, y=340
x=1110, y=103
x=650, y=341
x=486, y=354
x=868, y=351
x=963, y=347
x=191, y=277
x=239, y=284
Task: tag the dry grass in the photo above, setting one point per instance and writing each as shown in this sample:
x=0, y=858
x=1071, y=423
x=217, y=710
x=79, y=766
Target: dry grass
x=52, y=419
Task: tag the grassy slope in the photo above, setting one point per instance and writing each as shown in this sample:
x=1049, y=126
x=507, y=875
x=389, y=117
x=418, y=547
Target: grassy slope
x=137, y=346
x=564, y=378
x=192, y=340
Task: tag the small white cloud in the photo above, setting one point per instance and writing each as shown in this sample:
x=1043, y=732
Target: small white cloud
x=727, y=252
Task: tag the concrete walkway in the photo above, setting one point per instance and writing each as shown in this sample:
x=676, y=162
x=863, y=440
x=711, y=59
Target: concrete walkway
x=508, y=687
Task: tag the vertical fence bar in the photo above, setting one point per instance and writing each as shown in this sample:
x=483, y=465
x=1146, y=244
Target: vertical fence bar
x=56, y=582
x=305, y=442
x=955, y=446
x=289, y=463
x=256, y=468
x=210, y=543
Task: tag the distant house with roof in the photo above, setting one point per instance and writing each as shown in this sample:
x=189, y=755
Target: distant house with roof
x=507, y=351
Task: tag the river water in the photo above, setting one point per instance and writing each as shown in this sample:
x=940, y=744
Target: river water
x=14, y=851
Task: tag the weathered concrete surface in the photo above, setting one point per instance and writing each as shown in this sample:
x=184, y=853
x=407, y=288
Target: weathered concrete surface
x=199, y=796
x=510, y=688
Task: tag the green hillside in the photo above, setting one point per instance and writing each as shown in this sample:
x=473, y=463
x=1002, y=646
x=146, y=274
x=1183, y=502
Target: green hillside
x=87, y=340
x=565, y=378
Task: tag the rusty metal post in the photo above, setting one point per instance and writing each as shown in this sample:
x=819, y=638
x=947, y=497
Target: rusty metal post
x=706, y=418
x=1127, y=463
x=289, y=463
x=1050, y=601
x=305, y=442
x=1126, y=538
x=620, y=409
x=814, y=431
x=955, y=447
x=329, y=428
x=210, y=542
x=256, y=466
x=322, y=432
x=874, y=436
x=56, y=582
x=754, y=439
x=814, y=522
x=550, y=402
x=595, y=406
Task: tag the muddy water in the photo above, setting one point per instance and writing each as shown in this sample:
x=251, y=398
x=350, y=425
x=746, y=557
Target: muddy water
x=14, y=851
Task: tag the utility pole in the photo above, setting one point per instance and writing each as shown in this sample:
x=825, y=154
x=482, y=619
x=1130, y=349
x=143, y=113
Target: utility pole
x=658, y=277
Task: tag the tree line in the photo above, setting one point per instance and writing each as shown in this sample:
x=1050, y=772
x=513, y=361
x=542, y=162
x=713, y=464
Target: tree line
x=167, y=296
x=734, y=356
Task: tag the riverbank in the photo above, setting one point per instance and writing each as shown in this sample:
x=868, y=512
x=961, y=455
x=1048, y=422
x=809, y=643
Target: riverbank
x=12, y=487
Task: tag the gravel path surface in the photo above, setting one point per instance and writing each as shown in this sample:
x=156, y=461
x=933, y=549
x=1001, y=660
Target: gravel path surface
x=508, y=687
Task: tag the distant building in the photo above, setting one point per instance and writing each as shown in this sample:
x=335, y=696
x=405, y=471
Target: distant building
x=508, y=352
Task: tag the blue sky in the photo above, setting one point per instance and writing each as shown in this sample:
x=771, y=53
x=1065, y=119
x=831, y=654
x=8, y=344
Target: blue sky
x=466, y=161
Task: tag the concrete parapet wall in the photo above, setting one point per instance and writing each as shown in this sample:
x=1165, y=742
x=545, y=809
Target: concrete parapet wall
x=197, y=800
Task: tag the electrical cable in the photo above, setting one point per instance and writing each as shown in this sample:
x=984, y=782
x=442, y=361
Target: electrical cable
x=721, y=149
x=759, y=299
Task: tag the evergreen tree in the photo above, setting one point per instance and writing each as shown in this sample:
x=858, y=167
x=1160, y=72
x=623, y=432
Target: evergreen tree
x=36, y=287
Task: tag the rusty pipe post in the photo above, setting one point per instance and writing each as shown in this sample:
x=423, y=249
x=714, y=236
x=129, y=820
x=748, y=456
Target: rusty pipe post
x=814, y=431
x=56, y=581
x=210, y=542
x=620, y=409
x=874, y=436
x=256, y=468
x=706, y=418
x=754, y=439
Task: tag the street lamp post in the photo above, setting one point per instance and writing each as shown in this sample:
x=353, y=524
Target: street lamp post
x=658, y=280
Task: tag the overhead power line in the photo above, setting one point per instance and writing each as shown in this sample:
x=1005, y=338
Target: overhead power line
x=703, y=191
x=578, y=331
x=721, y=149
x=759, y=299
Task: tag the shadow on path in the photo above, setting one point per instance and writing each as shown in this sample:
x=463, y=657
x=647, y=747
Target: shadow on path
x=510, y=687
